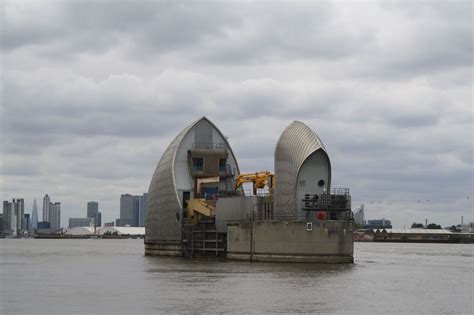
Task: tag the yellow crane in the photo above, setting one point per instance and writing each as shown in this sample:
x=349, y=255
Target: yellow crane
x=259, y=180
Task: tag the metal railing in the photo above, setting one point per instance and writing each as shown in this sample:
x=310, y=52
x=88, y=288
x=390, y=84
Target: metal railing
x=324, y=215
x=340, y=191
x=210, y=146
x=253, y=215
x=334, y=202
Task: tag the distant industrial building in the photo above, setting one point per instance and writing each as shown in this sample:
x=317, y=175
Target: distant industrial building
x=111, y=231
x=122, y=230
x=109, y=224
x=44, y=225
x=378, y=224
x=79, y=231
x=414, y=235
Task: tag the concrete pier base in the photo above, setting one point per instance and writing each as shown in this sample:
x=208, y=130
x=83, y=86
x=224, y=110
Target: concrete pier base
x=291, y=241
x=163, y=248
x=292, y=258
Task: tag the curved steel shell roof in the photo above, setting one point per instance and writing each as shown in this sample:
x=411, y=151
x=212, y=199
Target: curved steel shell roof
x=296, y=144
x=163, y=201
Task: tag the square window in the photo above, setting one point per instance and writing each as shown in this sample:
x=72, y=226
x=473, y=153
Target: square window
x=198, y=164
x=222, y=163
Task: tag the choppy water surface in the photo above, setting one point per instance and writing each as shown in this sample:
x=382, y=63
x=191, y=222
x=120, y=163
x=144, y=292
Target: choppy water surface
x=113, y=276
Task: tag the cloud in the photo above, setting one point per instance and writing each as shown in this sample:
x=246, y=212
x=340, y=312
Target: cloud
x=92, y=93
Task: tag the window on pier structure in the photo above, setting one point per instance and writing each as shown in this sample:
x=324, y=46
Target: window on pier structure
x=222, y=163
x=198, y=164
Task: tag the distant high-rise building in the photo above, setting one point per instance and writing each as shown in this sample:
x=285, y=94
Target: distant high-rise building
x=8, y=217
x=359, y=216
x=378, y=224
x=13, y=228
x=26, y=222
x=92, y=208
x=34, y=216
x=142, y=209
x=2, y=229
x=55, y=215
x=99, y=219
x=126, y=210
x=46, y=203
x=93, y=212
x=19, y=211
x=51, y=213
x=136, y=210
x=132, y=210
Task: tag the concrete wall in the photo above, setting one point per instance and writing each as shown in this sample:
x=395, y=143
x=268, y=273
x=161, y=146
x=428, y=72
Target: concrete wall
x=234, y=209
x=289, y=241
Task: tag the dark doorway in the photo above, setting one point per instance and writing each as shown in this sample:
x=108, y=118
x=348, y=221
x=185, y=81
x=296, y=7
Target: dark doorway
x=186, y=197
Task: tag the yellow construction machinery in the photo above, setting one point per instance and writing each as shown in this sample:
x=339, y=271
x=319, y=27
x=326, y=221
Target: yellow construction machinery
x=200, y=207
x=259, y=180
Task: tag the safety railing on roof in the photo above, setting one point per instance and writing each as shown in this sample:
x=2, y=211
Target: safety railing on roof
x=338, y=200
x=210, y=146
x=340, y=191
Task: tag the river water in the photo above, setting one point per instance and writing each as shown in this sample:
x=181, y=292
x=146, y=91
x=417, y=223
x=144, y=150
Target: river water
x=114, y=277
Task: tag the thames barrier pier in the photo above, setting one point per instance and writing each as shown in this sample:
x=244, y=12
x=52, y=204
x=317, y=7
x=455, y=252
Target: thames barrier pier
x=197, y=207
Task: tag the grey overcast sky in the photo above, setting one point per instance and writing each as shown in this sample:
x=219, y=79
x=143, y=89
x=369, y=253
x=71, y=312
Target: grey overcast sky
x=93, y=91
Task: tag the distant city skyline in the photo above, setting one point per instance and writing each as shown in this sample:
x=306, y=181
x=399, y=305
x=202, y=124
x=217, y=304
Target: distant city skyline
x=134, y=214
x=138, y=204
